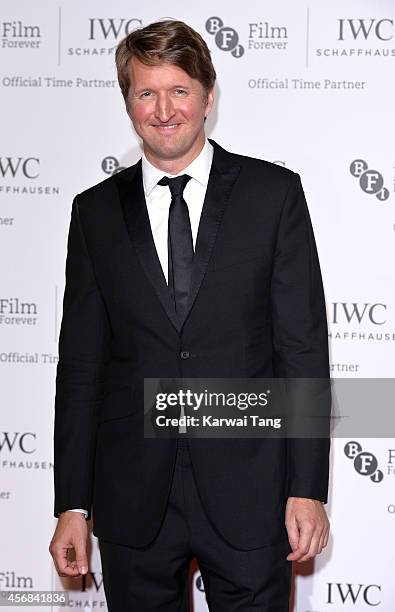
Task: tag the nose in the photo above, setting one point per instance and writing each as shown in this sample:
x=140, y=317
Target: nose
x=164, y=108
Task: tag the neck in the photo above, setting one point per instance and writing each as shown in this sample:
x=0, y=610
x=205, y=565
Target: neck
x=174, y=166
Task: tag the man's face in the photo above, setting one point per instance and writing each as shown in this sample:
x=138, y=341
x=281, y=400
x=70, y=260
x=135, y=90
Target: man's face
x=167, y=108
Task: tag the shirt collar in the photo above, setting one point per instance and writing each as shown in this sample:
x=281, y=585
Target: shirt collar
x=198, y=169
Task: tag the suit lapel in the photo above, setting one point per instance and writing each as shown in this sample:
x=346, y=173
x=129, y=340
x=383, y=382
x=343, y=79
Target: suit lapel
x=132, y=199
x=223, y=174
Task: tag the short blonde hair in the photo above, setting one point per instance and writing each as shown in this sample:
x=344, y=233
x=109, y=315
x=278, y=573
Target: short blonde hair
x=167, y=41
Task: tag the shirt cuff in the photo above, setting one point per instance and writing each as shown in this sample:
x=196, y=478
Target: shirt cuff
x=84, y=512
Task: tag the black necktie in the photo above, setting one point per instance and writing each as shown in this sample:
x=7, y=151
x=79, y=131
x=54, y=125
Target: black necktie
x=179, y=243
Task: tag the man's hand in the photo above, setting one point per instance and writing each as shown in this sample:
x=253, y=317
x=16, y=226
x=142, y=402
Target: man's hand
x=71, y=532
x=307, y=526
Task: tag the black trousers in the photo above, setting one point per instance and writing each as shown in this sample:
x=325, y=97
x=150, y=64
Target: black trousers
x=156, y=577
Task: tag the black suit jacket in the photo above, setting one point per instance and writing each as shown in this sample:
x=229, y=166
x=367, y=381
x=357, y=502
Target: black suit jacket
x=256, y=309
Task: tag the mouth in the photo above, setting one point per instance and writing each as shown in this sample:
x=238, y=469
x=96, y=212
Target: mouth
x=166, y=129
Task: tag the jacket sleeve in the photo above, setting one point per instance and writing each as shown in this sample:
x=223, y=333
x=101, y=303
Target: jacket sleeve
x=83, y=351
x=300, y=338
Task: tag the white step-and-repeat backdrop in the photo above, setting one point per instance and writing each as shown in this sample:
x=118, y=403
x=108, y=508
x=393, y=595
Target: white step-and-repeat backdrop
x=310, y=86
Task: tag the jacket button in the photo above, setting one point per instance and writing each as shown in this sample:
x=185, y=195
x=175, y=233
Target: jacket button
x=184, y=354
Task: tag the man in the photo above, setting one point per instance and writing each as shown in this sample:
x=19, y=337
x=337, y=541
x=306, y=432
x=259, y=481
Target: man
x=194, y=262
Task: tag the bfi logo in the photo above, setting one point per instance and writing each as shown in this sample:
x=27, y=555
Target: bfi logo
x=365, y=463
x=226, y=38
x=370, y=181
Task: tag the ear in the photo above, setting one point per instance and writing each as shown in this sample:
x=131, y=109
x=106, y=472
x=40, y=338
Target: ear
x=209, y=102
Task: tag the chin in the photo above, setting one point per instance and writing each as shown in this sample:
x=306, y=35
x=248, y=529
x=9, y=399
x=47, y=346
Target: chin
x=170, y=150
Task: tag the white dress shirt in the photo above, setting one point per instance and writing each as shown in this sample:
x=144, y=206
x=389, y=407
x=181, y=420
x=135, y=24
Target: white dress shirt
x=158, y=199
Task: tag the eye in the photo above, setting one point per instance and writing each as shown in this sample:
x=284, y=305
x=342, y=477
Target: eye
x=180, y=91
x=145, y=94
